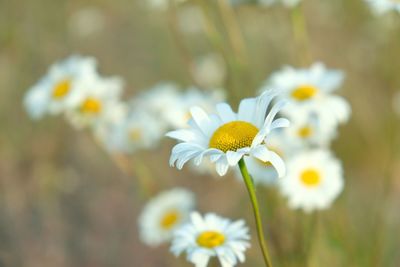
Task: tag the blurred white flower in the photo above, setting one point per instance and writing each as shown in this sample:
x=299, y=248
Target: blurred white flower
x=311, y=91
x=264, y=173
x=163, y=214
x=86, y=21
x=212, y=236
x=210, y=71
x=380, y=7
x=172, y=106
x=136, y=130
x=227, y=137
x=57, y=91
x=97, y=101
x=314, y=180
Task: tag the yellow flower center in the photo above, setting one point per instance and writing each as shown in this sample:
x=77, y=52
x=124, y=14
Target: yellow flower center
x=310, y=177
x=135, y=135
x=61, y=89
x=210, y=239
x=170, y=219
x=91, y=106
x=233, y=136
x=305, y=132
x=304, y=92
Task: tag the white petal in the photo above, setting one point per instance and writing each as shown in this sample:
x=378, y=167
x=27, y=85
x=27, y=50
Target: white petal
x=225, y=112
x=262, y=153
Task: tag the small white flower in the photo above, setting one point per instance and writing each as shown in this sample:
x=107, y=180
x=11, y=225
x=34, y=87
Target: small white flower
x=163, y=214
x=226, y=137
x=263, y=172
x=314, y=180
x=383, y=6
x=137, y=130
x=211, y=236
x=210, y=71
x=56, y=91
x=97, y=101
x=172, y=106
x=310, y=91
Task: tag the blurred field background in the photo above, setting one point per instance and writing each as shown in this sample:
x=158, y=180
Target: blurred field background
x=64, y=202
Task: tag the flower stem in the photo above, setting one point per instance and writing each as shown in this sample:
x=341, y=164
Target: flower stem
x=252, y=193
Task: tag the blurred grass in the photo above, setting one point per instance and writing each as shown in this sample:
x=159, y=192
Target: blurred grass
x=62, y=200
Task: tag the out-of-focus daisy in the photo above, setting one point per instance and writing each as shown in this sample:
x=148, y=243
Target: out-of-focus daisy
x=383, y=6
x=310, y=90
x=212, y=236
x=172, y=106
x=307, y=130
x=226, y=137
x=264, y=173
x=163, y=214
x=58, y=90
x=98, y=100
x=314, y=179
x=137, y=130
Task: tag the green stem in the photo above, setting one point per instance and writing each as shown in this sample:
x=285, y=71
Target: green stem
x=252, y=193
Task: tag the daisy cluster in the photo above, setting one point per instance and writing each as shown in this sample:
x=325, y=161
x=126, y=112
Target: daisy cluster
x=171, y=217
x=74, y=88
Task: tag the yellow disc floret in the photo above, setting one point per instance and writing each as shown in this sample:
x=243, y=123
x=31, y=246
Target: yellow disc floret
x=310, y=177
x=210, y=239
x=305, y=132
x=304, y=92
x=61, y=89
x=91, y=106
x=233, y=136
x=170, y=219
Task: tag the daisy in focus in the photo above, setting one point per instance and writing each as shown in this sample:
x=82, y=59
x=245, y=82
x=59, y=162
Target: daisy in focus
x=311, y=91
x=211, y=236
x=227, y=137
x=163, y=214
x=314, y=180
x=57, y=90
x=383, y=6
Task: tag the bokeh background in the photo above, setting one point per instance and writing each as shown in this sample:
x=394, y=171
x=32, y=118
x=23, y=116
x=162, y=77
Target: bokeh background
x=65, y=202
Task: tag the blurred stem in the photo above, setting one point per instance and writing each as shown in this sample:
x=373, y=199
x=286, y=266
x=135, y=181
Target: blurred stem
x=300, y=34
x=310, y=231
x=178, y=39
x=253, y=197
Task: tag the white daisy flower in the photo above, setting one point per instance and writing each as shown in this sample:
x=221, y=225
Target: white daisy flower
x=313, y=181
x=55, y=92
x=137, y=130
x=211, y=236
x=383, y=6
x=97, y=101
x=264, y=173
x=310, y=90
x=226, y=137
x=163, y=214
x=307, y=130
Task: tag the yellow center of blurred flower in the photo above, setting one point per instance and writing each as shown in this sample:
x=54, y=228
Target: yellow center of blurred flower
x=210, y=239
x=91, y=106
x=170, y=219
x=304, y=92
x=61, y=89
x=135, y=135
x=305, y=132
x=310, y=177
x=233, y=136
